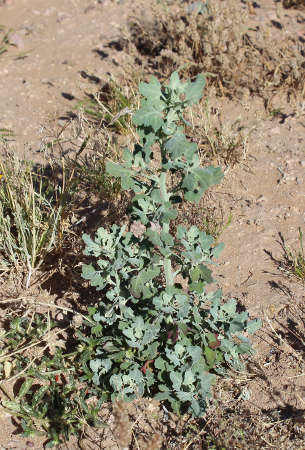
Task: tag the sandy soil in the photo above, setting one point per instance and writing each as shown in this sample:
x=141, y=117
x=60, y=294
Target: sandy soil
x=61, y=47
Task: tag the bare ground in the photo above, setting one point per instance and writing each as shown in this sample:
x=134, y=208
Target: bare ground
x=61, y=51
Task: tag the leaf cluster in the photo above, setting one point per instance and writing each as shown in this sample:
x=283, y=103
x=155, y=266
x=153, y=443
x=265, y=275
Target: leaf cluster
x=156, y=336
x=170, y=348
x=158, y=124
x=53, y=409
x=49, y=400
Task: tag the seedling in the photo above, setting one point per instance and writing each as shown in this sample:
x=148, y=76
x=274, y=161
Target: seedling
x=4, y=40
x=157, y=336
x=295, y=260
x=5, y=133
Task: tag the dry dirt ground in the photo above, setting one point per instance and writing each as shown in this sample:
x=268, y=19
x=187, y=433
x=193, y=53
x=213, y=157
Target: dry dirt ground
x=62, y=51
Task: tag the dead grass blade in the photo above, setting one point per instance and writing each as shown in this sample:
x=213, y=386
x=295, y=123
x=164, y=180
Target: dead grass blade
x=217, y=40
x=31, y=211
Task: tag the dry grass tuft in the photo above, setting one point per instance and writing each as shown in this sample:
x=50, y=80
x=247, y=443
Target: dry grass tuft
x=85, y=145
x=217, y=40
x=32, y=213
x=142, y=425
x=112, y=105
x=220, y=142
x=236, y=427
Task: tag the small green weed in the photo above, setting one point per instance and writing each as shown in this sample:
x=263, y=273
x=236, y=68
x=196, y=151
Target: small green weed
x=294, y=261
x=50, y=401
x=276, y=112
x=5, y=134
x=55, y=409
x=4, y=40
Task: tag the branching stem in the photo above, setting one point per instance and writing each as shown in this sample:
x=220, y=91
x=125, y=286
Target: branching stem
x=168, y=271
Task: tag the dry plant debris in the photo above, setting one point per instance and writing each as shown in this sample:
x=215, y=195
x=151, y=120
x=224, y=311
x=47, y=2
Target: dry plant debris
x=299, y=4
x=216, y=40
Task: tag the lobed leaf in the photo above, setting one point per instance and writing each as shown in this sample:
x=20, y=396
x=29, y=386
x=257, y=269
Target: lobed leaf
x=139, y=282
x=193, y=90
x=149, y=116
x=152, y=90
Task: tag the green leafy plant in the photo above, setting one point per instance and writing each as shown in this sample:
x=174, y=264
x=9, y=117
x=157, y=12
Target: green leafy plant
x=54, y=409
x=157, y=335
x=49, y=400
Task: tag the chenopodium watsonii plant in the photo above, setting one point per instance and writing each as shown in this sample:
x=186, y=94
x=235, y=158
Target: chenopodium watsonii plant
x=158, y=338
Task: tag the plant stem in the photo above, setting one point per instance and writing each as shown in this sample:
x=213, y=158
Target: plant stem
x=169, y=278
x=162, y=179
